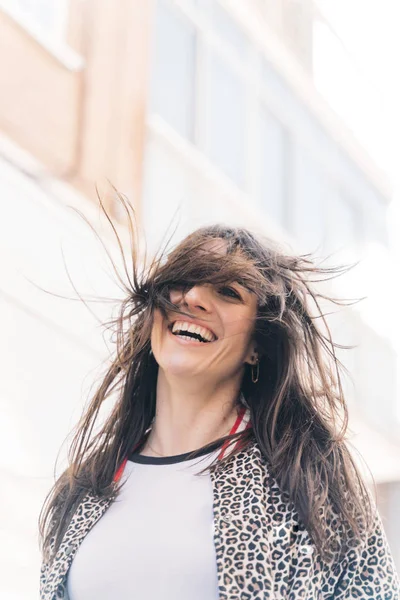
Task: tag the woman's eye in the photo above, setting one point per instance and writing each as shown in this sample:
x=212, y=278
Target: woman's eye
x=227, y=291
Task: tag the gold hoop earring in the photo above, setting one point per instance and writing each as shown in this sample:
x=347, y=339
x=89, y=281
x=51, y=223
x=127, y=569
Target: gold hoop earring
x=255, y=378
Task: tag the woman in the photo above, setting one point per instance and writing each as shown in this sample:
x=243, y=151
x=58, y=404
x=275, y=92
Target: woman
x=221, y=471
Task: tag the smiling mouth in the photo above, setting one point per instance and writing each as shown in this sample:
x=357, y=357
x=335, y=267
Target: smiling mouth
x=194, y=335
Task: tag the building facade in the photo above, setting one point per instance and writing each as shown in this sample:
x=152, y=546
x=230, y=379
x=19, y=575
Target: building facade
x=198, y=111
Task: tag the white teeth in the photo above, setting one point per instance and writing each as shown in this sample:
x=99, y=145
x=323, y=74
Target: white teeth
x=185, y=326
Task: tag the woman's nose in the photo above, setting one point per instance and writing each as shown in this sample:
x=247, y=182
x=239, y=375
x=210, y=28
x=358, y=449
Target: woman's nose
x=197, y=296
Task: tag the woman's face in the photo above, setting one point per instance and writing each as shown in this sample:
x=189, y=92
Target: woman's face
x=226, y=317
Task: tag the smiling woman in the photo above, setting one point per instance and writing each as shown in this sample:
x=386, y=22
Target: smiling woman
x=219, y=362
x=208, y=357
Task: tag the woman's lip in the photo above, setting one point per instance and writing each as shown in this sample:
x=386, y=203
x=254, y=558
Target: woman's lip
x=189, y=341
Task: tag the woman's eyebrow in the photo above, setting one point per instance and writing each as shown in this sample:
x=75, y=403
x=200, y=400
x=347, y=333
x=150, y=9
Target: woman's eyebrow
x=244, y=287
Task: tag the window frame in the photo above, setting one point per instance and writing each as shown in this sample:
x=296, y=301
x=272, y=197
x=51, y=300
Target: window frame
x=54, y=41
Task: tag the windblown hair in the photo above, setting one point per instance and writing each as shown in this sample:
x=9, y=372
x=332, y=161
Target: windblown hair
x=298, y=410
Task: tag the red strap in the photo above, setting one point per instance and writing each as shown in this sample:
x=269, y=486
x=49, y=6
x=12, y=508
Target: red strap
x=234, y=429
x=121, y=468
x=239, y=443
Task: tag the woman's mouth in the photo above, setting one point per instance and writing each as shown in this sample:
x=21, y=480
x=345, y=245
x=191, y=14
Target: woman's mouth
x=191, y=333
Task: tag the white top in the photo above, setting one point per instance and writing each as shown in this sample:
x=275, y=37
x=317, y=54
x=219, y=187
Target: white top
x=155, y=542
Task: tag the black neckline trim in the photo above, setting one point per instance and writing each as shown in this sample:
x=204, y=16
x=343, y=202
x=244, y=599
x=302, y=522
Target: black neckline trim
x=170, y=460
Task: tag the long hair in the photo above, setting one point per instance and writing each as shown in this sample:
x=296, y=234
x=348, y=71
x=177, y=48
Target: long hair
x=298, y=411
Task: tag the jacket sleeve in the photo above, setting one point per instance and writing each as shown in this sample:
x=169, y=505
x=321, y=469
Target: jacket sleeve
x=43, y=576
x=44, y=569
x=368, y=572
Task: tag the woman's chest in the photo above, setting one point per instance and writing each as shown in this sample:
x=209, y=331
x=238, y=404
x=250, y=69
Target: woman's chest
x=154, y=541
x=236, y=528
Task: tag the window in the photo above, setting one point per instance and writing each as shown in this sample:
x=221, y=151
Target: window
x=310, y=188
x=173, y=70
x=225, y=119
x=344, y=222
x=229, y=30
x=196, y=87
x=273, y=145
x=47, y=16
x=280, y=93
x=168, y=188
x=275, y=83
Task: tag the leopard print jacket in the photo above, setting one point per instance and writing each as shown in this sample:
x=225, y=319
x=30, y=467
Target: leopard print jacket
x=262, y=550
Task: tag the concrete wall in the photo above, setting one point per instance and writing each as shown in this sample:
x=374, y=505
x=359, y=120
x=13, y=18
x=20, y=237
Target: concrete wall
x=52, y=351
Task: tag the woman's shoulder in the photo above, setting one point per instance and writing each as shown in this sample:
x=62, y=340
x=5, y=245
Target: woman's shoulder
x=250, y=468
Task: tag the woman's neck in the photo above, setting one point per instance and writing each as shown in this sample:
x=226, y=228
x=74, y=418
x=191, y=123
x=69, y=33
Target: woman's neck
x=188, y=421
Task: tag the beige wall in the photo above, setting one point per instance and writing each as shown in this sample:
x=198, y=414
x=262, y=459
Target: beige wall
x=38, y=99
x=84, y=125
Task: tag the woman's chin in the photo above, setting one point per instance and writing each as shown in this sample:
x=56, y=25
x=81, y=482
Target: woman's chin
x=179, y=368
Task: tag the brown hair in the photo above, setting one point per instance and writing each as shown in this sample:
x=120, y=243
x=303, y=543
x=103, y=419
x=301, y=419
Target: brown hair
x=298, y=411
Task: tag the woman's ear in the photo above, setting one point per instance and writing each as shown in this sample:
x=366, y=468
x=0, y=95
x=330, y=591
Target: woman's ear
x=253, y=354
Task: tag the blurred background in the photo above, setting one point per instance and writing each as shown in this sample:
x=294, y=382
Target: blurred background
x=280, y=115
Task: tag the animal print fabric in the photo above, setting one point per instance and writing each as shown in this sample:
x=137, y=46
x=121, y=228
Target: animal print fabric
x=262, y=550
